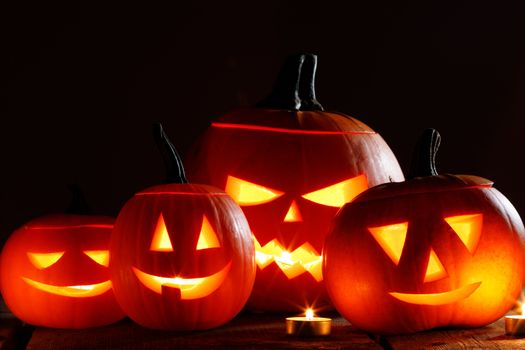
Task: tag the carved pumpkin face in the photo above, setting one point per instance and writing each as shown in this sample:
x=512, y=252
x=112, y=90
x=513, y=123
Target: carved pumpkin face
x=291, y=171
x=182, y=254
x=183, y=257
x=434, y=251
x=54, y=272
x=193, y=287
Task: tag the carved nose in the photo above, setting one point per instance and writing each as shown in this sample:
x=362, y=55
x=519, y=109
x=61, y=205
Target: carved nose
x=435, y=269
x=293, y=214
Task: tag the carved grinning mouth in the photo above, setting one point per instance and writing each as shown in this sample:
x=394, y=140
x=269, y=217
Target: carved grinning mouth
x=79, y=291
x=437, y=298
x=292, y=264
x=190, y=288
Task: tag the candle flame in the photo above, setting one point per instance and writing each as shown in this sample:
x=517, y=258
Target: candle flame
x=523, y=309
x=309, y=314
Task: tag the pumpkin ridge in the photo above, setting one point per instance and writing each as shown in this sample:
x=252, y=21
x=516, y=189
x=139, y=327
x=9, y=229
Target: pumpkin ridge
x=473, y=274
x=279, y=156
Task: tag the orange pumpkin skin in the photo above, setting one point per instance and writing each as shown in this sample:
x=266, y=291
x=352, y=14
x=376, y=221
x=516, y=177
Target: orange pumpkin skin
x=160, y=235
x=479, y=275
x=32, y=292
x=293, y=152
x=183, y=207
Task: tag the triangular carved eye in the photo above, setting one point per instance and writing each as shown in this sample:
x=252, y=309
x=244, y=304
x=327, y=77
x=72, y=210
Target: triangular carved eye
x=249, y=193
x=161, y=240
x=44, y=260
x=101, y=257
x=207, y=237
x=340, y=193
x=468, y=229
x=391, y=238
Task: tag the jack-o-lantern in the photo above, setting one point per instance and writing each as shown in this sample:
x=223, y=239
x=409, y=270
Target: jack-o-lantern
x=290, y=166
x=433, y=251
x=54, y=270
x=182, y=254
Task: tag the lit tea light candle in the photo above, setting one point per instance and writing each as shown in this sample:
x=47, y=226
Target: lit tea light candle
x=515, y=324
x=308, y=326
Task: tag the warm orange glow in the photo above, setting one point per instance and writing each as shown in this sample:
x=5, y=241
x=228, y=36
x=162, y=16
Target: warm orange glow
x=65, y=227
x=248, y=193
x=303, y=259
x=438, y=298
x=207, y=237
x=435, y=270
x=293, y=214
x=287, y=131
x=309, y=314
x=190, y=288
x=468, y=228
x=43, y=260
x=340, y=193
x=391, y=238
x=161, y=239
x=99, y=256
x=80, y=291
x=175, y=193
x=523, y=309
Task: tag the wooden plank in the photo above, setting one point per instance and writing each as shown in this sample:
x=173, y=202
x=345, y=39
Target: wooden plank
x=247, y=331
x=10, y=329
x=489, y=337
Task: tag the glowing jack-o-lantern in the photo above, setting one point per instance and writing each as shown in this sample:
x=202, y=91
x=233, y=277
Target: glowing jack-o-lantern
x=433, y=251
x=291, y=166
x=190, y=288
x=182, y=254
x=54, y=271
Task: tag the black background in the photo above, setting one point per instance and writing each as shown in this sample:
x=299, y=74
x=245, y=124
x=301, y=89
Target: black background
x=82, y=86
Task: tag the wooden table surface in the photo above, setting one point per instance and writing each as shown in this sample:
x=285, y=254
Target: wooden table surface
x=249, y=331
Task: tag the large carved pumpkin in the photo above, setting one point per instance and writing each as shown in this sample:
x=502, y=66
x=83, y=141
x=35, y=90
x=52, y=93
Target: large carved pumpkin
x=182, y=254
x=434, y=251
x=54, y=271
x=291, y=165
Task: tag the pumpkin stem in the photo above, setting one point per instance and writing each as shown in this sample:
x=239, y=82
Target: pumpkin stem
x=307, y=84
x=174, y=167
x=285, y=93
x=78, y=205
x=424, y=156
x=295, y=86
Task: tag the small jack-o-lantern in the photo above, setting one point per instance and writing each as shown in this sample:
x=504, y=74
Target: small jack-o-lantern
x=433, y=251
x=182, y=254
x=290, y=166
x=54, y=270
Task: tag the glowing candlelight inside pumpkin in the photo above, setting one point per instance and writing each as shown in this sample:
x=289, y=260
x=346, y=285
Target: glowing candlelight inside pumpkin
x=515, y=324
x=308, y=326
